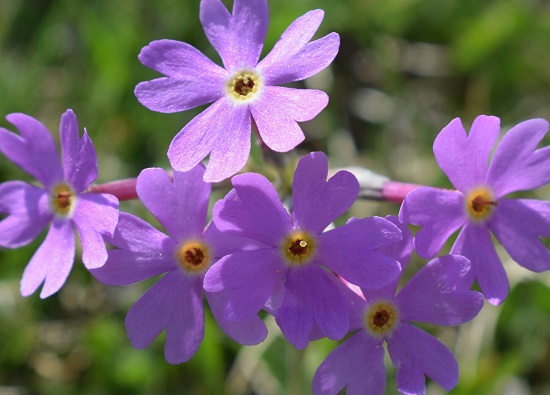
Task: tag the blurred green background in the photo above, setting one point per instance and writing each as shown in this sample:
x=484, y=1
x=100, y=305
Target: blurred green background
x=405, y=69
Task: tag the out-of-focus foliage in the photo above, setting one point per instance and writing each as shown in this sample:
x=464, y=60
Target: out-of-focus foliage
x=405, y=69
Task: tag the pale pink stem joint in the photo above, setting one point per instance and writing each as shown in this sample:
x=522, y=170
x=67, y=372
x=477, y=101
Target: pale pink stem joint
x=393, y=191
x=122, y=189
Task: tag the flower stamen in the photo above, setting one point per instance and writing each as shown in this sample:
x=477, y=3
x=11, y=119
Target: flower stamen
x=298, y=248
x=480, y=203
x=62, y=200
x=381, y=318
x=244, y=85
x=193, y=256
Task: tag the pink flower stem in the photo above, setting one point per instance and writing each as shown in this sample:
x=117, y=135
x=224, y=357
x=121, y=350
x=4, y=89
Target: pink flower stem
x=374, y=186
x=122, y=189
x=393, y=191
x=125, y=189
x=371, y=189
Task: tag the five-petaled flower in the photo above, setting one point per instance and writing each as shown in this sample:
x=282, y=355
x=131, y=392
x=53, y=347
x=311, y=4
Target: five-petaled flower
x=175, y=302
x=244, y=90
x=292, y=264
x=383, y=315
x=478, y=205
x=62, y=201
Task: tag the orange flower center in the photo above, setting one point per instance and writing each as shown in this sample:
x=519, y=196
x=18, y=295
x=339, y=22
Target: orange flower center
x=62, y=200
x=298, y=248
x=480, y=203
x=381, y=318
x=193, y=256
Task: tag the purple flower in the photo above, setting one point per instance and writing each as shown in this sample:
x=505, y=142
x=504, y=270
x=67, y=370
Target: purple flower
x=429, y=296
x=296, y=252
x=175, y=302
x=478, y=205
x=62, y=201
x=242, y=90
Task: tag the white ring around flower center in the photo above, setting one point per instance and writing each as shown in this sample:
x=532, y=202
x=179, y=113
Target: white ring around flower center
x=244, y=86
x=62, y=200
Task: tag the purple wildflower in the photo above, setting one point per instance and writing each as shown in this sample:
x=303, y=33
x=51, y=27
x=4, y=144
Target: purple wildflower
x=478, y=205
x=62, y=201
x=429, y=296
x=175, y=302
x=243, y=90
x=296, y=252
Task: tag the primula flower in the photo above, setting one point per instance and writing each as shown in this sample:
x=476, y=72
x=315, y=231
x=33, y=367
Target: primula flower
x=358, y=363
x=62, y=201
x=175, y=302
x=478, y=205
x=296, y=252
x=243, y=90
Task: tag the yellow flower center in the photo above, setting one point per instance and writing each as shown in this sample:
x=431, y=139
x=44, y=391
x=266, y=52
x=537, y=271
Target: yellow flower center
x=381, y=318
x=244, y=85
x=480, y=203
x=62, y=200
x=193, y=256
x=298, y=248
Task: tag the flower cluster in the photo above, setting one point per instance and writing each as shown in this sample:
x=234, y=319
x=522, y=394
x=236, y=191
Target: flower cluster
x=282, y=255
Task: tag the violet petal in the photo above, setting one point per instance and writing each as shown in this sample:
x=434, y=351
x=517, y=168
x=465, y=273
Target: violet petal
x=464, y=158
x=95, y=215
x=291, y=43
x=223, y=243
x=258, y=214
x=278, y=109
x=52, y=262
x=311, y=296
x=230, y=150
x=216, y=21
x=78, y=154
x=475, y=243
x=516, y=165
x=168, y=95
x=183, y=62
x=299, y=65
x=416, y=353
x=184, y=204
x=34, y=151
x=249, y=332
x=294, y=316
x=440, y=213
x=316, y=201
x=28, y=211
x=142, y=252
x=174, y=303
x=430, y=295
x=293, y=39
x=275, y=299
x=195, y=140
x=357, y=363
x=350, y=251
x=250, y=276
x=518, y=225
x=239, y=37
x=401, y=251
